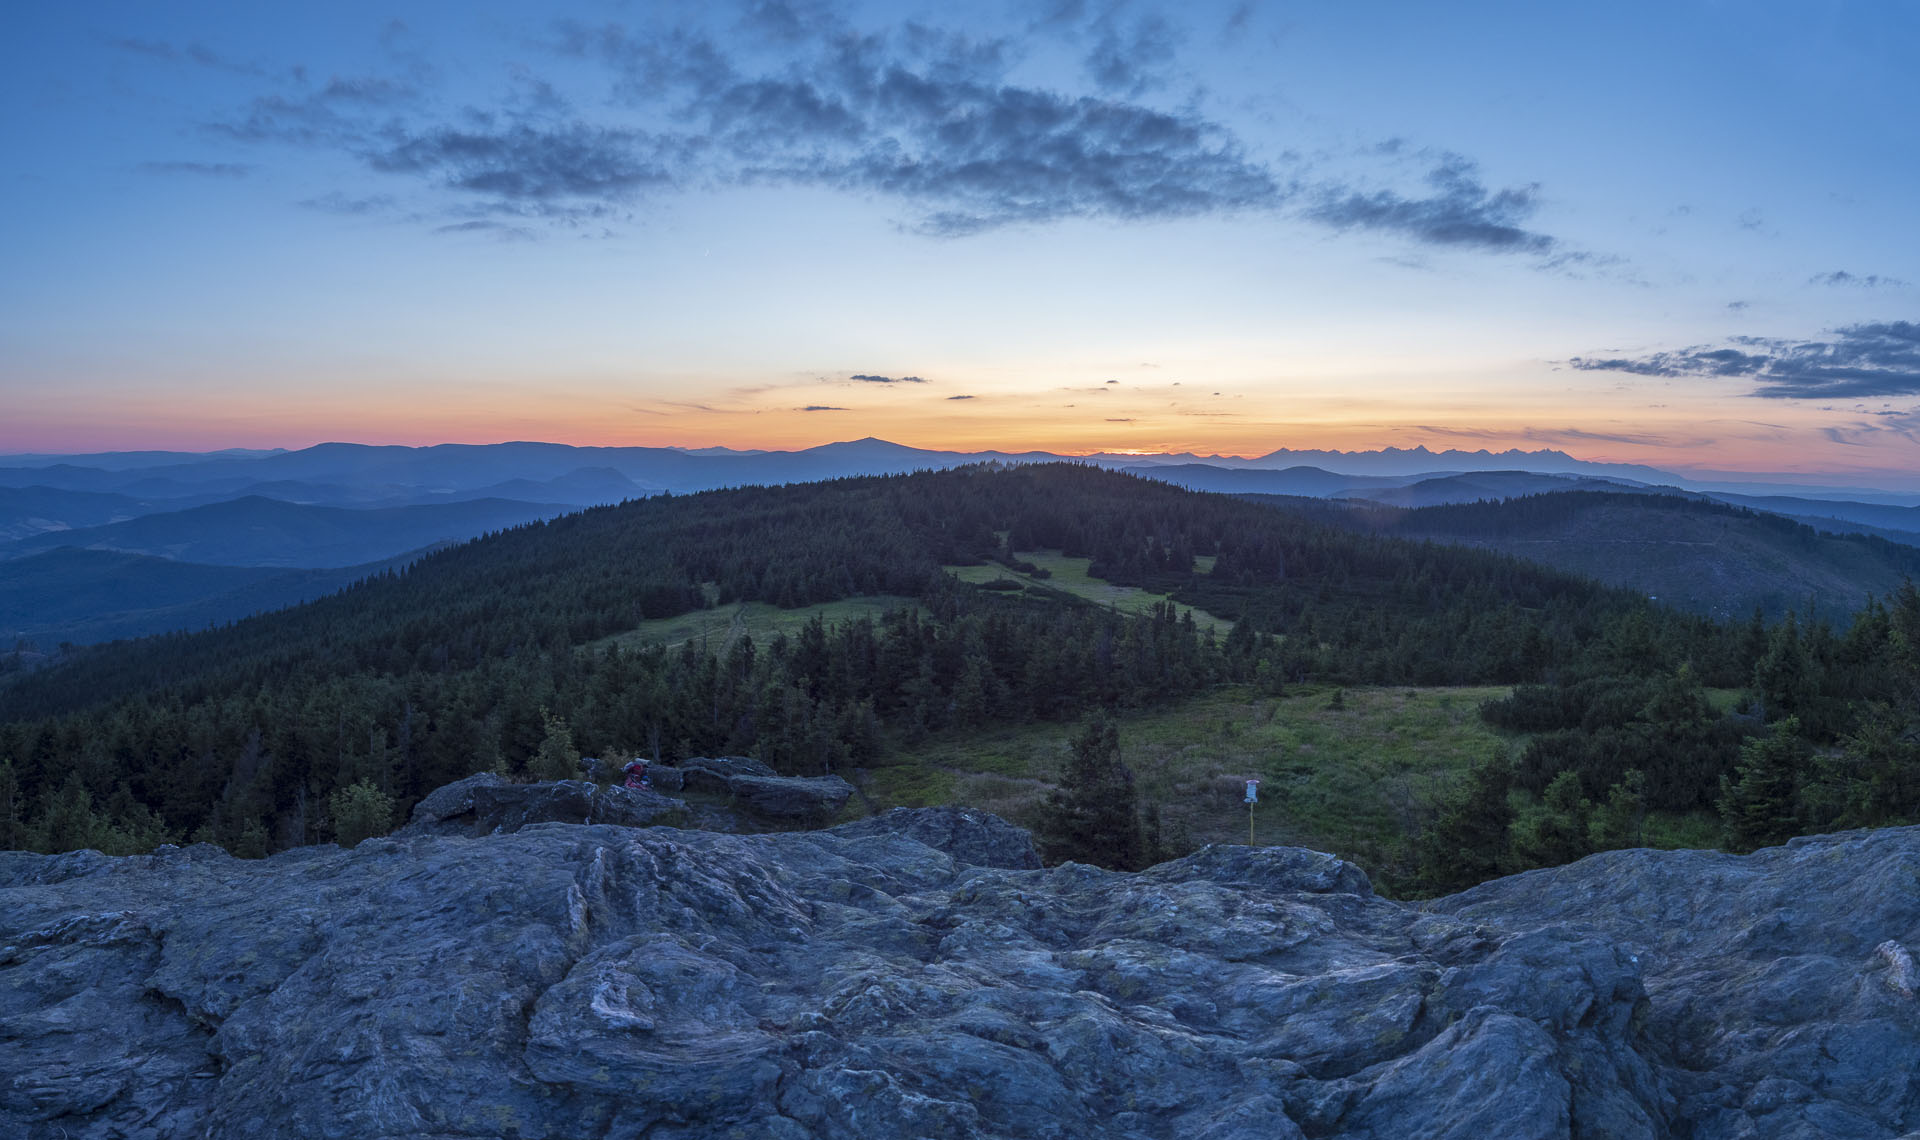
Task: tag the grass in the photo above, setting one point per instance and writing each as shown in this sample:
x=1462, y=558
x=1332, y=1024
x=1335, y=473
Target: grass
x=759, y=620
x=1350, y=780
x=1354, y=777
x=1069, y=576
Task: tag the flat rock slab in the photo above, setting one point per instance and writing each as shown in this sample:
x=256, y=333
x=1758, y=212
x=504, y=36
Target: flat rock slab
x=568, y=980
x=485, y=804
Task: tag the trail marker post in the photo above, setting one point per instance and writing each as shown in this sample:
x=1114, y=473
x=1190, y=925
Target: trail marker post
x=1253, y=797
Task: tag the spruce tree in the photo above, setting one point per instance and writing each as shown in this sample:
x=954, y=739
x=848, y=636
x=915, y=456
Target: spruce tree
x=1469, y=842
x=557, y=759
x=1759, y=804
x=1093, y=816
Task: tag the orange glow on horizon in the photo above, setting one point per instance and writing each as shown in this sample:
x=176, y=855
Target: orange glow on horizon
x=1693, y=432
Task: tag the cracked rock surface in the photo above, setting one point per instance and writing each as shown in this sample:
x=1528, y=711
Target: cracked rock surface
x=877, y=980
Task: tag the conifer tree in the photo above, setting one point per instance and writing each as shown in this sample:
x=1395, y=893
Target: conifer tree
x=1093, y=816
x=1557, y=832
x=557, y=759
x=1759, y=804
x=360, y=811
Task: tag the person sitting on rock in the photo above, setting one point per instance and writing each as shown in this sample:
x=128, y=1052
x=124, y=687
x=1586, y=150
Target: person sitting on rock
x=636, y=771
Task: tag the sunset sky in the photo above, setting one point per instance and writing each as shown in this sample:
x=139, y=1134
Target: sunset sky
x=1679, y=233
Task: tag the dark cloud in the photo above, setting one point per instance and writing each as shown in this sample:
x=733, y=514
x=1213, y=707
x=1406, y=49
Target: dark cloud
x=962, y=397
x=1113, y=420
x=865, y=378
x=787, y=21
x=1738, y=306
x=192, y=53
x=1461, y=211
x=921, y=116
x=1841, y=277
x=523, y=163
x=372, y=91
x=1581, y=435
x=1130, y=60
x=819, y=408
x=1875, y=359
x=501, y=230
x=203, y=169
x=335, y=116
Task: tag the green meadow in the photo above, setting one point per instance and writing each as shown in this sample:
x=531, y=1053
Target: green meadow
x=1352, y=775
x=1069, y=576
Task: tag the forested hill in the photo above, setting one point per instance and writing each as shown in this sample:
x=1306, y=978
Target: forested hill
x=1698, y=555
x=474, y=656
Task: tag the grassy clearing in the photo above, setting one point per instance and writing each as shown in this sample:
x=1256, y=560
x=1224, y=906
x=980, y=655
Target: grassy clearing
x=1354, y=776
x=1069, y=576
x=1350, y=780
x=718, y=628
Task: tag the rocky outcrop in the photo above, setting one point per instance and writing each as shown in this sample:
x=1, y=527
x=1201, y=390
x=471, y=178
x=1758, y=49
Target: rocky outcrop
x=885, y=980
x=485, y=804
x=755, y=788
x=974, y=837
x=1780, y=982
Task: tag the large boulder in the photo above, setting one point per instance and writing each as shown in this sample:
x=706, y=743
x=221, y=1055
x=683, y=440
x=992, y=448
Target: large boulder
x=486, y=805
x=712, y=774
x=449, y=801
x=796, y=798
x=977, y=838
x=755, y=788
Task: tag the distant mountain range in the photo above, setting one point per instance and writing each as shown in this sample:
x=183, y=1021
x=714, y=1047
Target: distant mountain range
x=346, y=474
x=341, y=505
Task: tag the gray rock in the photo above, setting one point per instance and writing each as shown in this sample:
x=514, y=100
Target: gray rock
x=884, y=980
x=756, y=789
x=485, y=805
x=716, y=774
x=791, y=797
x=978, y=838
x=1769, y=989
x=455, y=799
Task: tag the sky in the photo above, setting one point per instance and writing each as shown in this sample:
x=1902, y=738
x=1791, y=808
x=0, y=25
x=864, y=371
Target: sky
x=1679, y=233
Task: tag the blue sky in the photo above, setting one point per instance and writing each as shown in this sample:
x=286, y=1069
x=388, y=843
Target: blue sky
x=1674, y=233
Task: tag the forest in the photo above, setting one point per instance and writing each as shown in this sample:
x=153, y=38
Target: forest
x=493, y=654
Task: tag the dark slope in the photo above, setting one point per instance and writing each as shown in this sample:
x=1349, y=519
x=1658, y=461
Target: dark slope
x=28, y=511
x=86, y=596
x=1701, y=556
x=258, y=531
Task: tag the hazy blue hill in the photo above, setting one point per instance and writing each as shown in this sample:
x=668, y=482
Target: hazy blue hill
x=1899, y=523
x=257, y=531
x=27, y=511
x=68, y=477
x=1473, y=486
x=1311, y=482
x=1418, y=460
x=585, y=486
x=1702, y=556
x=129, y=460
x=86, y=596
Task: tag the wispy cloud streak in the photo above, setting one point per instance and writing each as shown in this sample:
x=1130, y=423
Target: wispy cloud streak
x=1872, y=359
